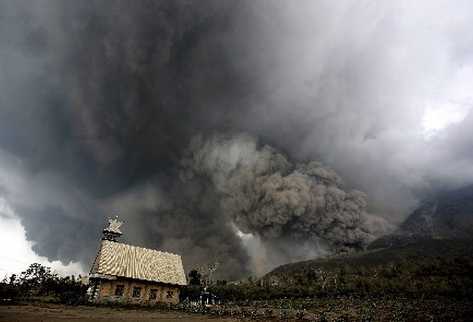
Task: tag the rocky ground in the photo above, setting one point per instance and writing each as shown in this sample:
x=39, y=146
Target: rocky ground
x=341, y=309
x=351, y=309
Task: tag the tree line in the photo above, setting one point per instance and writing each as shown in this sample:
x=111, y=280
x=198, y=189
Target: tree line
x=410, y=277
x=39, y=282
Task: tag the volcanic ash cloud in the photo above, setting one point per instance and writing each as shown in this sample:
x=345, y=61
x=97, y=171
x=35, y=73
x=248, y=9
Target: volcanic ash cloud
x=265, y=194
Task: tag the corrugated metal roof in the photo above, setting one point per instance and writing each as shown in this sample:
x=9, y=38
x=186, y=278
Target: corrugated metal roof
x=123, y=260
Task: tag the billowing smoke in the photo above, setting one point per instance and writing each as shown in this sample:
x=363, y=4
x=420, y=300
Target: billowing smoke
x=263, y=193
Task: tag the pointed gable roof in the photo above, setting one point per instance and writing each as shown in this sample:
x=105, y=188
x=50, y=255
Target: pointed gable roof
x=123, y=260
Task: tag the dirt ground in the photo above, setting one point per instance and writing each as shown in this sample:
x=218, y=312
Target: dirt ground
x=53, y=313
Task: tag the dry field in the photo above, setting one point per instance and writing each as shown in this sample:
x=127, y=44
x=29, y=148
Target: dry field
x=53, y=313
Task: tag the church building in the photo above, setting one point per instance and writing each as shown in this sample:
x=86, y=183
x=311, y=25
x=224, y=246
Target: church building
x=133, y=275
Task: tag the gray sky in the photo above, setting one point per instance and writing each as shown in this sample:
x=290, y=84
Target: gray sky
x=99, y=101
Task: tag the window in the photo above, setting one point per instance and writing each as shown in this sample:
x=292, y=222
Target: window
x=119, y=290
x=170, y=294
x=136, y=291
x=153, y=294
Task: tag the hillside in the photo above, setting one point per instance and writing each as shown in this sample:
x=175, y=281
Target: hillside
x=409, y=259
x=444, y=215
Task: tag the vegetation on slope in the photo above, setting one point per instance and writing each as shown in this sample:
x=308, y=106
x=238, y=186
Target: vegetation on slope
x=426, y=268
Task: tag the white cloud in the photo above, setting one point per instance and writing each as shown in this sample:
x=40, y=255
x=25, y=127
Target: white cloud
x=16, y=252
x=438, y=117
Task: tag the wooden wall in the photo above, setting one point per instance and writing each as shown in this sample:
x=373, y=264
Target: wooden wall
x=165, y=293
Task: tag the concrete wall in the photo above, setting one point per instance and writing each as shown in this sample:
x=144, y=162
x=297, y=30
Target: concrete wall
x=165, y=293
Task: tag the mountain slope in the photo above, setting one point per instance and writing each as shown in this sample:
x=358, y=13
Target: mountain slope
x=446, y=215
x=423, y=252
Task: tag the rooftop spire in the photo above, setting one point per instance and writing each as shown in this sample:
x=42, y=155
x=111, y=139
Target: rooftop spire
x=112, y=232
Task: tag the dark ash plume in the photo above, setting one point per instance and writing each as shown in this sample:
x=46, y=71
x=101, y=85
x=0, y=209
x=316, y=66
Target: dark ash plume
x=263, y=193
